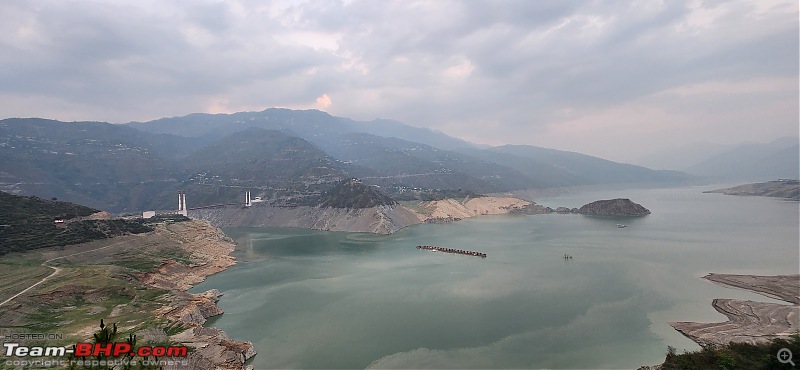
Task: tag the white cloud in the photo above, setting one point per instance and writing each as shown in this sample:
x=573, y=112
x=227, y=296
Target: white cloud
x=324, y=101
x=518, y=71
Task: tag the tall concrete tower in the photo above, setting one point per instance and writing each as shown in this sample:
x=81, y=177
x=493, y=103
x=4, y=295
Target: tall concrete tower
x=182, y=204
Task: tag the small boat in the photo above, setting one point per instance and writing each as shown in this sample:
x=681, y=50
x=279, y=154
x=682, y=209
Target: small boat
x=621, y=226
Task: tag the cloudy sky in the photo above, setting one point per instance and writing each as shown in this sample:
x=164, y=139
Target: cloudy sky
x=617, y=79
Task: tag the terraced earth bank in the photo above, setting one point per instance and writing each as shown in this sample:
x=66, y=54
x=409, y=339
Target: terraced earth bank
x=749, y=321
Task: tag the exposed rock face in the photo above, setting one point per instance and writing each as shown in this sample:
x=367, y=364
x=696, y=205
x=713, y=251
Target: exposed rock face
x=383, y=219
x=532, y=209
x=218, y=351
x=193, y=309
x=209, y=251
x=471, y=207
x=614, y=207
x=749, y=321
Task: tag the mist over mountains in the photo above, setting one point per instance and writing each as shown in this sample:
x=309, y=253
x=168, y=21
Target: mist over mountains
x=286, y=157
x=753, y=162
x=779, y=158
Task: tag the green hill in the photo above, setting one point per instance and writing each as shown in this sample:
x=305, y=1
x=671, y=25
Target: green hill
x=29, y=223
x=113, y=167
x=353, y=193
x=282, y=169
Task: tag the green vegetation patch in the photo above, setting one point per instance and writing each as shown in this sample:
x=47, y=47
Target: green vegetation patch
x=30, y=223
x=20, y=210
x=734, y=356
x=14, y=277
x=354, y=194
x=28, y=236
x=79, y=296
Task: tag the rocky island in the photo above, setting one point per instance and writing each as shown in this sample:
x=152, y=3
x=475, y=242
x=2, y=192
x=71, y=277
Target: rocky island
x=613, y=207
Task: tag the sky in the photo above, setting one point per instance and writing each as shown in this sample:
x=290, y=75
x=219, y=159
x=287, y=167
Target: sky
x=616, y=79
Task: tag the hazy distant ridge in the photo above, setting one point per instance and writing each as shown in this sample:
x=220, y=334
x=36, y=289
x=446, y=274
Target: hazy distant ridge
x=286, y=157
x=779, y=158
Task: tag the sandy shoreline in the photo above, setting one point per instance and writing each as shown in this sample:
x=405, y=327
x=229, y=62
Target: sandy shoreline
x=749, y=321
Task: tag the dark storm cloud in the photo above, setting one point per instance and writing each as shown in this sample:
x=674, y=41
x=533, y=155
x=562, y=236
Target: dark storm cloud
x=540, y=72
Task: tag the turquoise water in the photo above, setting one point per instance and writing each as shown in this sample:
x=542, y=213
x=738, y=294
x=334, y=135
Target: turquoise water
x=311, y=299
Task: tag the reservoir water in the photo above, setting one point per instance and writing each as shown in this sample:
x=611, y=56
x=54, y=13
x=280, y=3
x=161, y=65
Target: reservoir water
x=313, y=299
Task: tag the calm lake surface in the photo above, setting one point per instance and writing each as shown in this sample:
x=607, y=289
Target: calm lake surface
x=312, y=299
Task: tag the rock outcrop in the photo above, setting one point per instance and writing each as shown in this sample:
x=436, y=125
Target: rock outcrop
x=789, y=189
x=208, y=250
x=218, y=351
x=614, y=207
x=749, y=321
x=383, y=219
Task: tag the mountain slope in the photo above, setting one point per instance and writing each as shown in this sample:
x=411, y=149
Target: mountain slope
x=383, y=161
x=98, y=164
x=588, y=170
x=396, y=163
x=271, y=164
x=778, y=159
x=312, y=125
x=29, y=223
x=396, y=129
x=276, y=155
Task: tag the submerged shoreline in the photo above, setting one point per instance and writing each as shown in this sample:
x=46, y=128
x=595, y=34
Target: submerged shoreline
x=213, y=349
x=749, y=321
x=386, y=219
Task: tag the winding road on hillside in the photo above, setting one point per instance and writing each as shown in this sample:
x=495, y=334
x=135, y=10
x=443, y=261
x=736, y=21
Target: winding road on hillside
x=56, y=270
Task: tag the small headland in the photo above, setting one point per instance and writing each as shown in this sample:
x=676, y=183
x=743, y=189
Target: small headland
x=749, y=321
x=755, y=334
x=784, y=188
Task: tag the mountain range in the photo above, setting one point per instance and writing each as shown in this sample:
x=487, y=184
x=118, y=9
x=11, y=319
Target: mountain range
x=747, y=161
x=285, y=157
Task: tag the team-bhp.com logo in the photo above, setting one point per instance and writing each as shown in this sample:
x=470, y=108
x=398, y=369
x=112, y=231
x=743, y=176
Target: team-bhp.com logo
x=86, y=349
x=95, y=354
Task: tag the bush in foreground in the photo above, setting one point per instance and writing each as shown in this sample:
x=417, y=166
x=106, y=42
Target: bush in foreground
x=735, y=356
